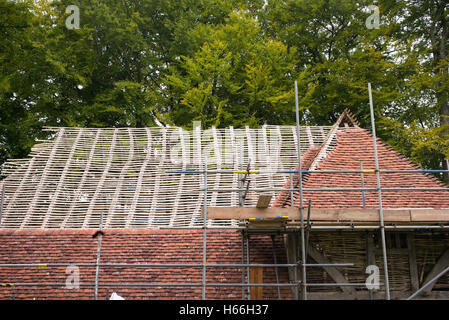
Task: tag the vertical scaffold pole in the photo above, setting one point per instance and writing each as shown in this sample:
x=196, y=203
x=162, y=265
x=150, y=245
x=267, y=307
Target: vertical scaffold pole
x=363, y=185
x=203, y=295
x=273, y=242
x=446, y=174
x=368, y=245
x=301, y=211
x=379, y=192
x=97, y=268
x=292, y=200
x=240, y=184
x=295, y=268
x=248, y=262
x=309, y=208
x=2, y=200
x=243, y=262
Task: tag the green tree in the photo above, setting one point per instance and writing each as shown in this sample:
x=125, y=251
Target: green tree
x=337, y=55
x=22, y=60
x=421, y=122
x=226, y=62
x=238, y=77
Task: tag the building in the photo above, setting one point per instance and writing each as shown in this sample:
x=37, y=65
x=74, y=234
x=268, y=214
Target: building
x=131, y=196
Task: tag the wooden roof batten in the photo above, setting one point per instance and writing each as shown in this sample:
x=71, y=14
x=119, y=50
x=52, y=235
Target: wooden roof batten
x=279, y=217
x=80, y=173
x=121, y=173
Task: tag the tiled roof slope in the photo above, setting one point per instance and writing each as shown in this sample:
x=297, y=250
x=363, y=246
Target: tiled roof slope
x=283, y=199
x=355, y=145
x=132, y=246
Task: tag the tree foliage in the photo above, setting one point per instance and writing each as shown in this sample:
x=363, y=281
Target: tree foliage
x=228, y=62
x=237, y=77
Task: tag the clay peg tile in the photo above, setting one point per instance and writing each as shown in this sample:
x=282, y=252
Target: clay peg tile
x=283, y=199
x=131, y=246
x=355, y=146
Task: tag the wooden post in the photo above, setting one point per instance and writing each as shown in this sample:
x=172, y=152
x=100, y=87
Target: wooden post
x=256, y=276
x=370, y=256
x=2, y=200
x=414, y=278
x=292, y=257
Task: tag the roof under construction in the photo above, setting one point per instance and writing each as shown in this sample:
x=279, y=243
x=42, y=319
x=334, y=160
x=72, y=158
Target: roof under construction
x=153, y=178
x=80, y=173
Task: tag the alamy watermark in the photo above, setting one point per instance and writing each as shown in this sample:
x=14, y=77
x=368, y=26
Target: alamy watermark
x=373, y=280
x=73, y=20
x=73, y=279
x=373, y=21
x=226, y=147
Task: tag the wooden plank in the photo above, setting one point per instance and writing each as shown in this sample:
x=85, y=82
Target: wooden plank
x=373, y=215
x=414, y=278
x=370, y=255
x=321, y=214
x=256, y=276
x=247, y=213
x=263, y=201
x=430, y=215
x=317, y=214
x=266, y=224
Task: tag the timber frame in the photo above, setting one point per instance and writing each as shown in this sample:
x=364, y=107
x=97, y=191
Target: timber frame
x=411, y=264
x=120, y=178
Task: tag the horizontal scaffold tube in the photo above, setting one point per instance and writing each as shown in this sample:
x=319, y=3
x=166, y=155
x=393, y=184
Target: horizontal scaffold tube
x=119, y=284
x=352, y=227
x=325, y=189
x=161, y=265
x=317, y=227
x=302, y=171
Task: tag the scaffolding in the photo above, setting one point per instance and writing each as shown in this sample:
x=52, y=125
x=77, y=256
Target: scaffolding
x=247, y=229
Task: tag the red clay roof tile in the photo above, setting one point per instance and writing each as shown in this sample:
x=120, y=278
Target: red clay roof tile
x=355, y=145
x=132, y=246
